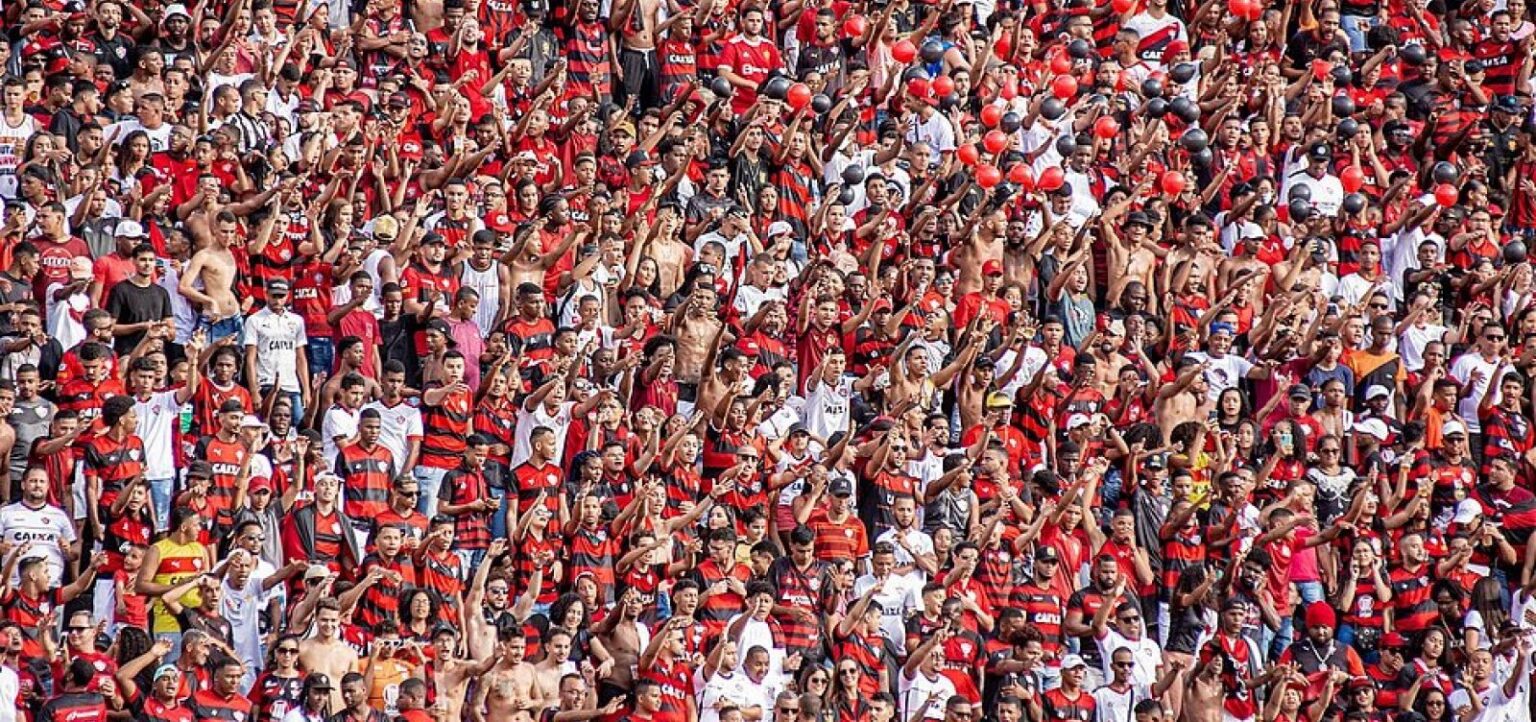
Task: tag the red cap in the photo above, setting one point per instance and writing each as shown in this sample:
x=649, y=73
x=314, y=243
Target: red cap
x=992, y=268
x=882, y=304
x=260, y=483
x=1319, y=614
x=749, y=346
x=1176, y=46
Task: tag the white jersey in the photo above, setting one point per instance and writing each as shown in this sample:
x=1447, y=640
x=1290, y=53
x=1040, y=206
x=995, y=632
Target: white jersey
x=487, y=283
x=13, y=142
x=279, y=339
x=827, y=408
x=45, y=527
x=402, y=425
x=157, y=420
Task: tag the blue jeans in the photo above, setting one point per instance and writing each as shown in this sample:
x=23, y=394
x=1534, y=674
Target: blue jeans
x=1356, y=27
x=321, y=355
x=429, y=481
x=1310, y=591
x=499, y=519
x=231, y=326
x=160, y=492
x=470, y=561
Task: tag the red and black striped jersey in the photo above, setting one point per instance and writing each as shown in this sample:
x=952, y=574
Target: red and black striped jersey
x=445, y=428
x=382, y=600
x=366, y=478
x=1413, y=608
x=209, y=706
x=112, y=463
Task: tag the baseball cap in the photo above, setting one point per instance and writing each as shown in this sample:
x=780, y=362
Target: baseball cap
x=171, y=11
x=841, y=487
x=1138, y=218
x=129, y=229
x=1078, y=420
x=200, y=469
x=1453, y=426
x=1300, y=391
x=992, y=268
x=277, y=285
x=385, y=228
x=1377, y=391
x=259, y=484
x=441, y=326
x=1467, y=510
x=1320, y=152
x=317, y=680
x=166, y=670
x=1374, y=428
x=638, y=159
x=779, y=228
x=625, y=127
x=1393, y=640
x=1047, y=554
x=316, y=571
x=797, y=429
x=251, y=421
x=1072, y=661
x=998, y=400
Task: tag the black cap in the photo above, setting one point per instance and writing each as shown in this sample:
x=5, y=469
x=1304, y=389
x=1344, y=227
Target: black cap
x=638, y=159
x=442, y=327
x=1507, y=104
x=232, y=406
x=317, y=680
x=1047, y=554
x=277, y=284
x=434, y=238
x=841, y=487
x=1138, y=218
x=1300, y=391
x=1320, y=152
x=200, y=469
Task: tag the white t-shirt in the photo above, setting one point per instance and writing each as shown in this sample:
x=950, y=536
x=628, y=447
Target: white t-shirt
x=279, y=339
x=10, y=686
x=894, y=599
x=1411, y=344
x=1224, y=373
x=936, y=132
x=917, y=689
x=559, y=422
x=1144, y=652
x=340, y=422
x=402, y=424
x=1112, y=706
x=827, y=407
x=1462, y=370
x=732, y=688
x=157, y=420
x=45, y=528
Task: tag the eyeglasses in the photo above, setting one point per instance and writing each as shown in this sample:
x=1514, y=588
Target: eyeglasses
x=287, y=650
x=256, y=537
x=783, y=708
x=848, y=671
x=78, y=629
x=1130, y=620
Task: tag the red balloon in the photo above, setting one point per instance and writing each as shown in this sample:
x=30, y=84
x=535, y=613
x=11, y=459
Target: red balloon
x=1064, y=87
x=1051, y=179
x=854, y=27
x=968, y=154
x=1002, y=47
x=1007, y=92
x=918, y=87
x=1239, y=8
x=799, y=96
x=1446, y=195
x=1021, y=176
x=1352, y=178
x=991, y=115
x=1254, y=10
x=1061, y=63
x=943, y=86
x=988, y=176
x=903, y=51
x=995, y=141
x=1173, y=183
x=1106, y=127
x=1122, y=6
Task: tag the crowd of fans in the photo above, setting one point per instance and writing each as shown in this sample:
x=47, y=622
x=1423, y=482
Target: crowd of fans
x=802, y=361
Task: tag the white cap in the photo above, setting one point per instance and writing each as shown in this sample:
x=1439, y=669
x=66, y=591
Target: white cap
x=251, y=421
x=1077, y=420
x=779, y=228
x=1454, y=426
x=1374, y=428
x=175, y=9
x=129, y=229
x=1467, y=510
x=1116, y=327
x=1375, y=391
x=1072, y=661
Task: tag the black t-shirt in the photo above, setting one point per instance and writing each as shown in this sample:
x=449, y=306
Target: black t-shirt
x=131, y=303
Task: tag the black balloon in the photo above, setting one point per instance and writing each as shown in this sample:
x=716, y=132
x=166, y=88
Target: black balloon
x=1182, y=73
x=1151, y=88
x=1514, y=252
x=1342, y=76
x=1354, y=203
x=913, y=72
x=1343, y=106
x=1156, y=108
x=853, y=175
x=1184, y=109
x=722, y=88
x=945, y=103
x=1301, y=210
x=846, y=197
x=776, y=88
x=1051, y=108
x=1080, y=49
x=1202, y=158
x=1413, y=54
x=821, y=103
x=1348, y=127
x=1011, y=122
x=932, y=51
x=1066, y=145
x=1445, y=172
x=1194, y=140
x=1302, y=191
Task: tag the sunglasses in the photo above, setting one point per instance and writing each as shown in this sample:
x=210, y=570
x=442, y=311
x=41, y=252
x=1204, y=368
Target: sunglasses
x=1124, y=665
x=287, y=650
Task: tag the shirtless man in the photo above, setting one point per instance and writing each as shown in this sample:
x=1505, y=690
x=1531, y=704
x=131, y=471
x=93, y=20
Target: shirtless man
x=716, y=384
x=214, y=268
x=512, y=685
x=549, y=671
x=1203, y=696
x=634, y=22
x=1132, y=255
x=985, y=244
x=1186, y=399
x=451, y=673
x=620, y=634
x=526, y=262
x=695, y=326
x=672, y=255
x=326, y=652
